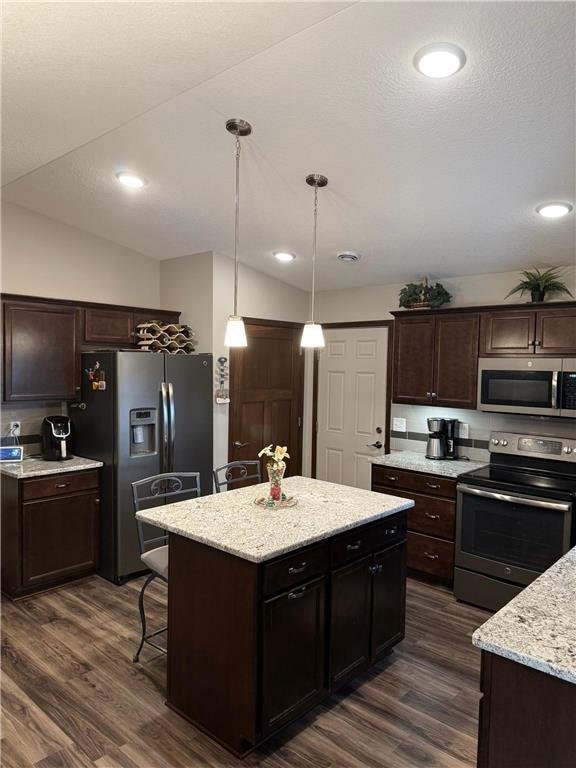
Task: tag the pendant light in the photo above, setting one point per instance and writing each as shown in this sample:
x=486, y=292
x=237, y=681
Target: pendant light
x=312, y=334
x=235, y=331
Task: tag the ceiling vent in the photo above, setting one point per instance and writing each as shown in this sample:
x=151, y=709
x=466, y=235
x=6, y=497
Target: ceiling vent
x=349, y=257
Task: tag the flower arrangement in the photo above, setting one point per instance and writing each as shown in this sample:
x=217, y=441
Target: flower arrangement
x=276, y=466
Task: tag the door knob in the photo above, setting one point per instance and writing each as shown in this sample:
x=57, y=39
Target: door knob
x=238, y=444
x=377, y=444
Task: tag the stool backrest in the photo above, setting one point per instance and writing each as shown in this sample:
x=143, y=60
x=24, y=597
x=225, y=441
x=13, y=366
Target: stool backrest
x=237, y=472
x=155, y=491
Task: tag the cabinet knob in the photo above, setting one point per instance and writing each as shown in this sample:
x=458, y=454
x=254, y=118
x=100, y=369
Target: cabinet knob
x=431, y=516
x=537, y=343
x=433, y=485
x=354, y=547
x=434, y=394
x=61, y=485
x=392, y=478
x=431, y=556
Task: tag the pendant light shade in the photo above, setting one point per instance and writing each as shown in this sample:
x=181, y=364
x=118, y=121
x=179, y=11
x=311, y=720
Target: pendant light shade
x=312, y=334
x=235, y=330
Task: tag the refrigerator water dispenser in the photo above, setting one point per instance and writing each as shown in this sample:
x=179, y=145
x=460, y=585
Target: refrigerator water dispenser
x=142, y=431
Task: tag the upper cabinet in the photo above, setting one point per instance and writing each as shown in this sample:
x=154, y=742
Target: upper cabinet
x=110, y=326
x=435, y=359
x=40, y=351
x=546, y=331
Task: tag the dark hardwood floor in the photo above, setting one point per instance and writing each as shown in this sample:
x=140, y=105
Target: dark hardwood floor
x=72, y=696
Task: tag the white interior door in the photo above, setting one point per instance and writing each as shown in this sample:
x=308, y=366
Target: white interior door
x=351, y=404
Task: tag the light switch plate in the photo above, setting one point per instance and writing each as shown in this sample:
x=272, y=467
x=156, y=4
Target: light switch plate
x=463, y=430
x=398, y=424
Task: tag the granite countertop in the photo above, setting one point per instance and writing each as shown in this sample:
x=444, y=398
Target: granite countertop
x=417, y=462
x=36, y=467
x=538, y=627
x=231, y=521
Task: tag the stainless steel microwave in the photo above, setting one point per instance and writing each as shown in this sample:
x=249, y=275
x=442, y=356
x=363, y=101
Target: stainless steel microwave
x=532, y=385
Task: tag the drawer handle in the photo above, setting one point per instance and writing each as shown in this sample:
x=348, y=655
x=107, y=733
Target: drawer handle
x=391, y=531
x=431, y=516
x=354, y=547
x=297, y=568
x=374, y=569
x=432, y=485
x=392, y=478
x=296, y=595
x=61, y=485
x=431, y=556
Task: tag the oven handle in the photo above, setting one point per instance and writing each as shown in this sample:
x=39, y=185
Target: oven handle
x=529, y=502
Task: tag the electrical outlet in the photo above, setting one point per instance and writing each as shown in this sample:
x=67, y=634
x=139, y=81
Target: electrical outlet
x=15, y=427
x=399, y=424
x=463, y=430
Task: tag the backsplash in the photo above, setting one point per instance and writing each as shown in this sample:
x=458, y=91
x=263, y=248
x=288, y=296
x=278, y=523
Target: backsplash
x=31, y=416
x=480, y=424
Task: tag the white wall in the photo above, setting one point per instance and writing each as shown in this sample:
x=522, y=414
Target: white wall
x=44, y=257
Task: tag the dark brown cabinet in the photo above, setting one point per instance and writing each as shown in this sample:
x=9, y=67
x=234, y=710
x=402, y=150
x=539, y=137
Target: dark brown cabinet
x=108, y=326
x=293, y=650
x=436, y=359
x=388, y=600
x=40, y=351
x=50, y=530
x=549, y=331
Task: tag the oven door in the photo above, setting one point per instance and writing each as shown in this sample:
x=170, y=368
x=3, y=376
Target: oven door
x=510, y=536
x=519, y=386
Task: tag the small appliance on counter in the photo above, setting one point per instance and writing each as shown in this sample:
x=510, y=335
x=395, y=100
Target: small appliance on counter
x=442, y=439
x=56, y=438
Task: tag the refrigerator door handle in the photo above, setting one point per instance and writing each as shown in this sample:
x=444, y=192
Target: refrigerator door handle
x=172, y=424
x=164, y=467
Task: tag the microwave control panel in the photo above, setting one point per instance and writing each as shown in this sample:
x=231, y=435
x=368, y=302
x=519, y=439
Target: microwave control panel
x=535, y=446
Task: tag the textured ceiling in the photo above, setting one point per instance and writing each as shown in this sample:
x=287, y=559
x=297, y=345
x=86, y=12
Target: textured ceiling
x=437, y=177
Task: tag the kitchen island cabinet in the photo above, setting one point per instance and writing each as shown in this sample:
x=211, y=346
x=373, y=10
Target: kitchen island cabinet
x=269, y=611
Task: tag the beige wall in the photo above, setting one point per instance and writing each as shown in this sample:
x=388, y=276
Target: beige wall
x=44, y=257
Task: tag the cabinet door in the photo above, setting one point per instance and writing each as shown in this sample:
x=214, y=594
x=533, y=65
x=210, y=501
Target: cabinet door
x=556, y=332
x=108, y=326
x=41, y=351
x=508, y=333
x=456, y=360
x=389, y=600
x=59, y=538
x=413, y=360
x=293, y=655
x=350, y=621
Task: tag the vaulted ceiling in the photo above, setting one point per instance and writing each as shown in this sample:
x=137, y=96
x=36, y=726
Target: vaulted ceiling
x=425, y=176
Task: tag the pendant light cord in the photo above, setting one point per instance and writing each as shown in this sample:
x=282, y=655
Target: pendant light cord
x=314, y=254
x=236, y=224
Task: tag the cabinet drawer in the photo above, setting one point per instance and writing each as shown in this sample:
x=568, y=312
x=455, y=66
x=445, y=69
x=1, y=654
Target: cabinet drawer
x=294, y=568
x=56, y=485
x=431, y=514
x=430, y=555
x=433, y=485
x=361, y=541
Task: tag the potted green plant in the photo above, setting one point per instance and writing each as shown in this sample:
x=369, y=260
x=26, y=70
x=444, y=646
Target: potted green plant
x=423, y=295
x=539, y=282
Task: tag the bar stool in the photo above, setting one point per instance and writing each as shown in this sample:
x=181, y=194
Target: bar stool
x=168, y=487
x=237, y=472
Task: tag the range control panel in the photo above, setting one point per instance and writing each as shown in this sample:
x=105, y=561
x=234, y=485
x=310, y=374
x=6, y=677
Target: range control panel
x=537, y=446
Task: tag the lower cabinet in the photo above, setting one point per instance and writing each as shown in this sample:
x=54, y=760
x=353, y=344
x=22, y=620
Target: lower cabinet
x=50, y=530
x=252, y=646
x=293, y=653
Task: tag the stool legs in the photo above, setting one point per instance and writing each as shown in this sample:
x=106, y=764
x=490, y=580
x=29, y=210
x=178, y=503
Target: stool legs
x=150, y=578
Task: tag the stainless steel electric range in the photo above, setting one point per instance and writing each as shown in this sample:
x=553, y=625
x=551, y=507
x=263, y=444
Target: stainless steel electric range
x=514, y=517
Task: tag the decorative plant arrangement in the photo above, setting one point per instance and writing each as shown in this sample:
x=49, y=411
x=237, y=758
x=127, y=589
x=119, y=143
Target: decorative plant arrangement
x=276, y=466
x=539, y=282
x=424, y=295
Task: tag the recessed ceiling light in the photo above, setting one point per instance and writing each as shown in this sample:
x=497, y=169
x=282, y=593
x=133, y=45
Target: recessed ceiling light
x=131, y=180
x=439, y=59
x=554, y=210
x=284, y=256
x=349, y=257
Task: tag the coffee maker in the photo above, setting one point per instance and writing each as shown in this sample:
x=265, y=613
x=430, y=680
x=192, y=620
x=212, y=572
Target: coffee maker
x=442, y=439
x=56, y=438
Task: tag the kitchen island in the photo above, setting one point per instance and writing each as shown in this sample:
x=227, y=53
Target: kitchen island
x=271, y=610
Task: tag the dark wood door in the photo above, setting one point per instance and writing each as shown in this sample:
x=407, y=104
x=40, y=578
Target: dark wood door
x=41, y=358
x=508, y=333
x=350, y=621
x=266, y=391
x=413, y=360
x=59, y=538
x=389, y=600
x=293, y=658
x=456, y=360
x=556, y=332
x=108, y=326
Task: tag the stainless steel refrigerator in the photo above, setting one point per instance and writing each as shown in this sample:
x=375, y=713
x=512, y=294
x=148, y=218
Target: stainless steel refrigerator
x=142, y=413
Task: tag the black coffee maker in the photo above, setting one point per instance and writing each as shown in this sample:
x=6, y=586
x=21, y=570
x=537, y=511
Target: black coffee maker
x=56, y=438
